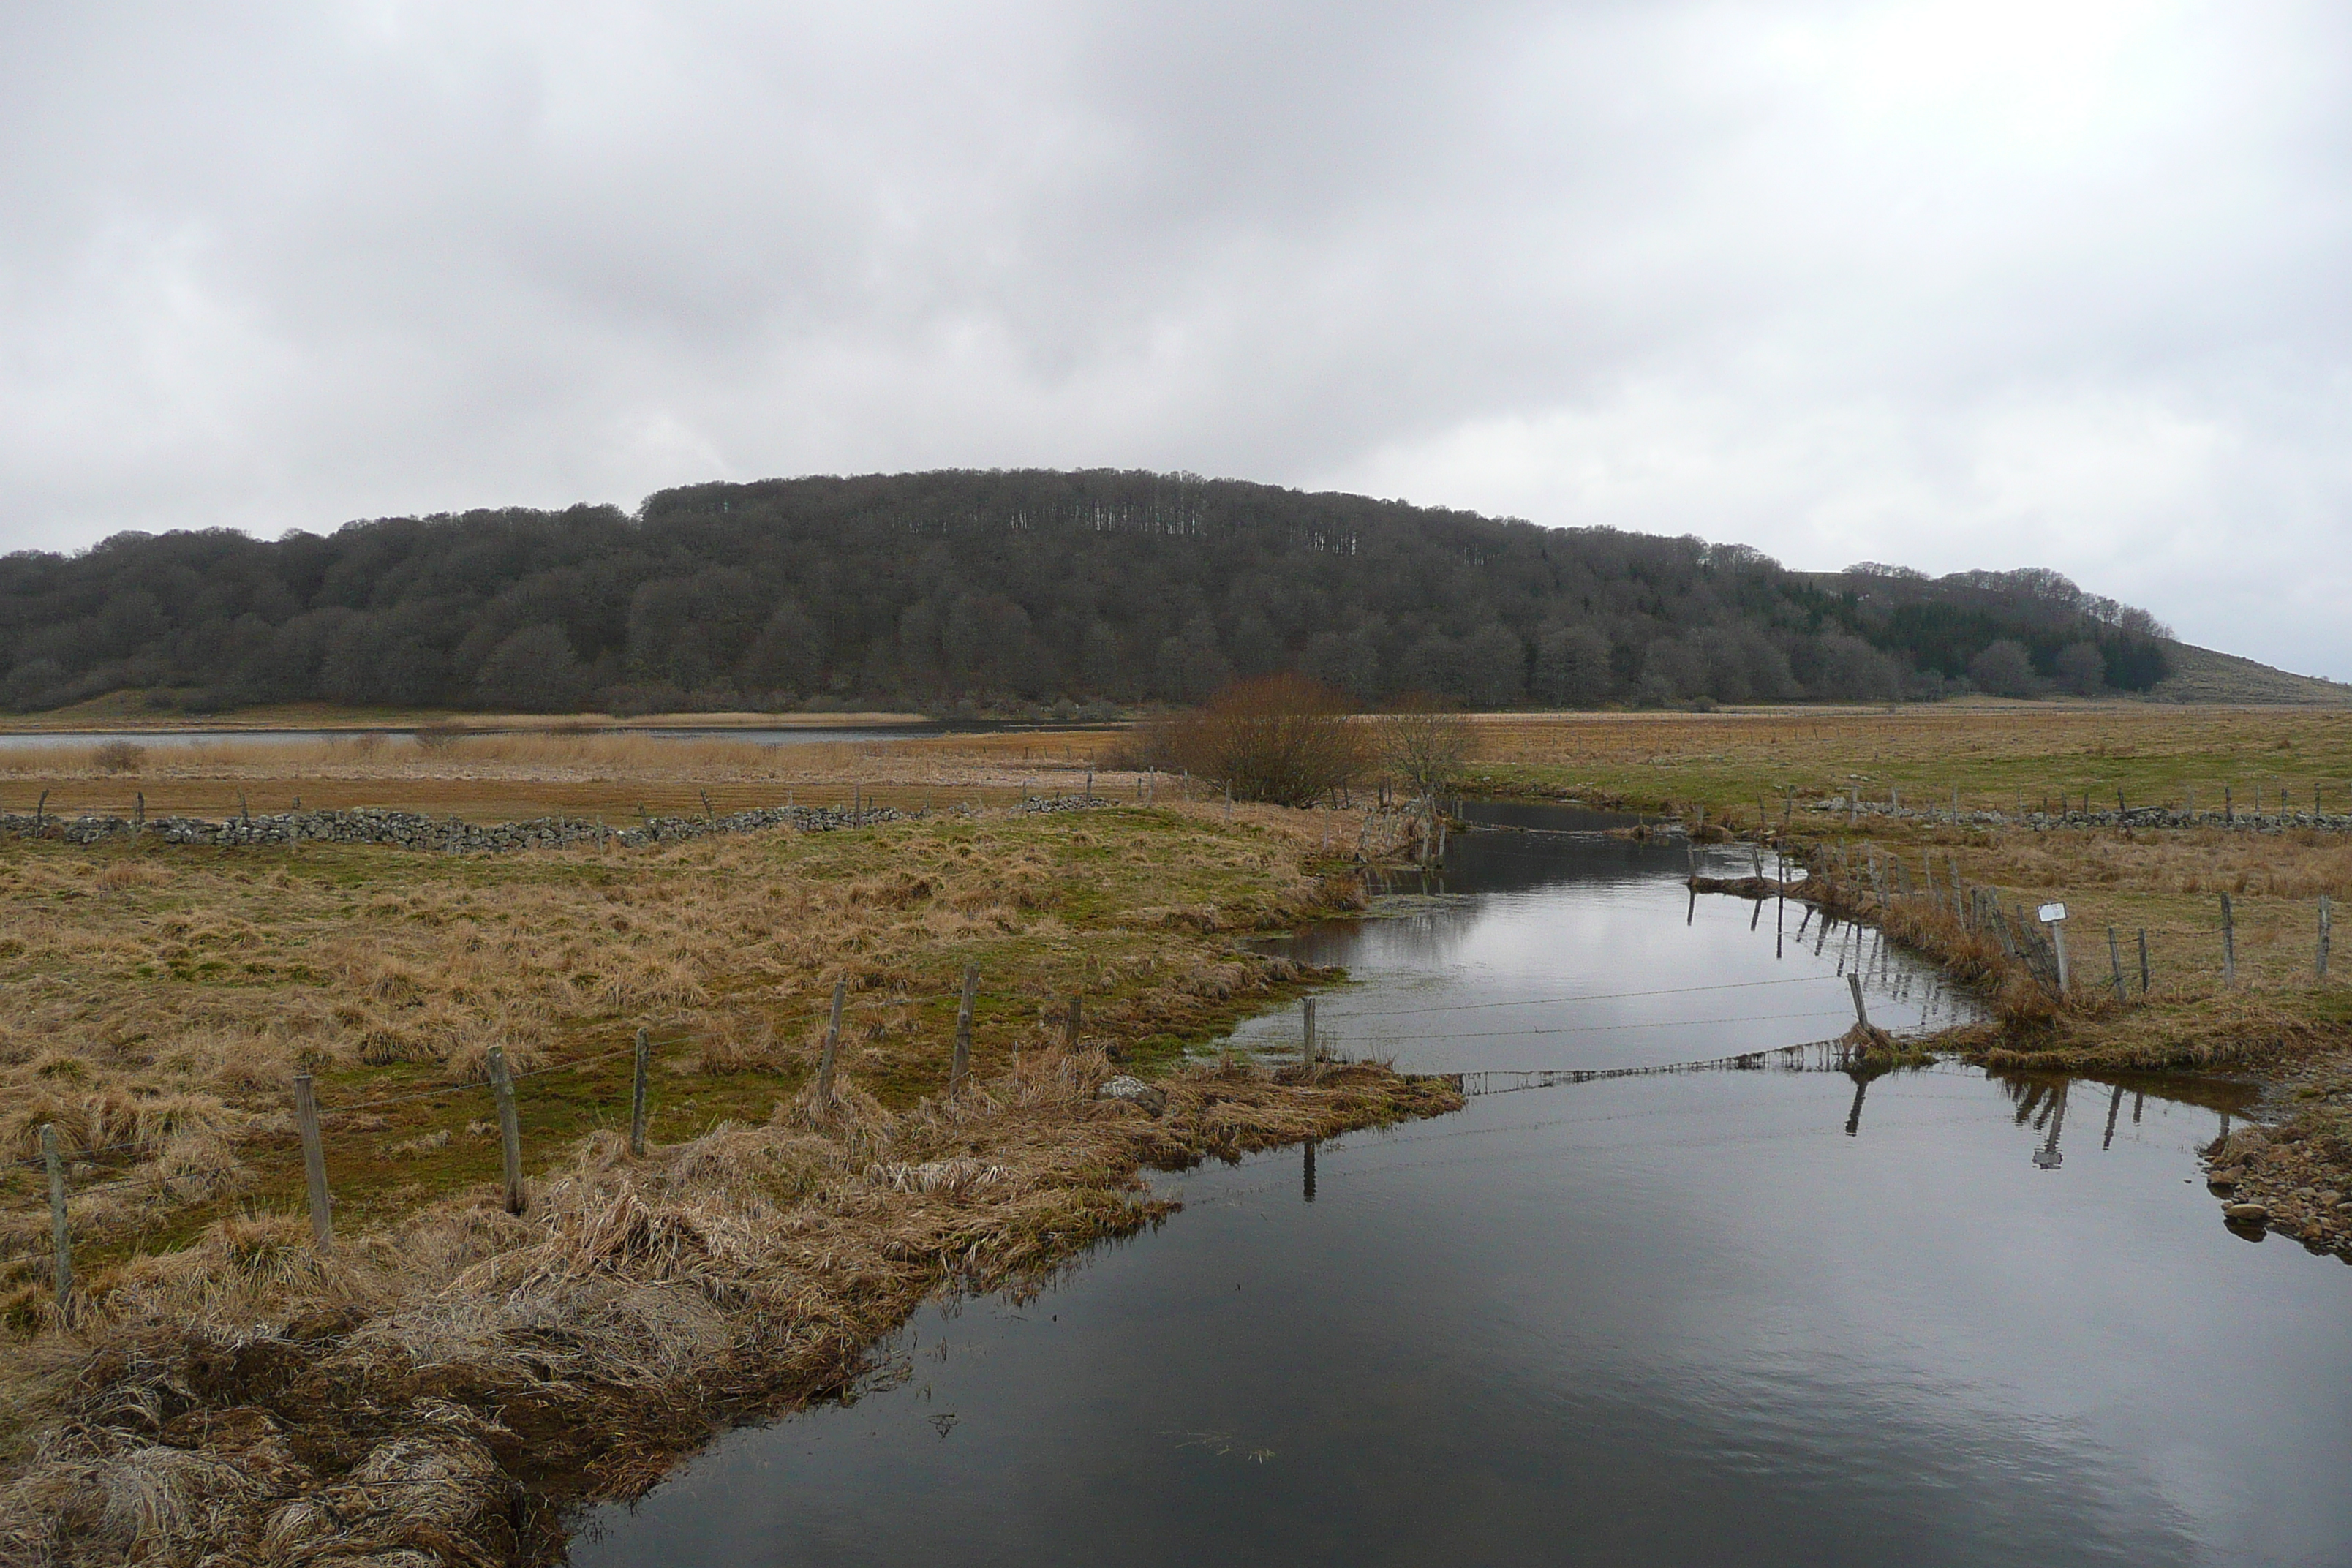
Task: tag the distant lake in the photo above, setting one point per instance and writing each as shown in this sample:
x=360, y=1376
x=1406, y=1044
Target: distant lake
x=764, y=735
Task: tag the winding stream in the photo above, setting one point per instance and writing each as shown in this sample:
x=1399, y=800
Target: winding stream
x=1774, y=1316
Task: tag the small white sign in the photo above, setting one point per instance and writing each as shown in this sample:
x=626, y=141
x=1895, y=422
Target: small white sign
x=2053, y=913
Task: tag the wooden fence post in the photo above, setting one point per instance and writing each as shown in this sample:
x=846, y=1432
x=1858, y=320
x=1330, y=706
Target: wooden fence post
x=1307, y=1055
x=314, y=1161
x=2116, y=957
x=510, y=1129
x=2143, y=960
x=637, y=1107
x=832, y=1042
x=2319, y=963
x=2229, y=944
x=959, y=1065
x=60, y=1235
x=1861, y=1013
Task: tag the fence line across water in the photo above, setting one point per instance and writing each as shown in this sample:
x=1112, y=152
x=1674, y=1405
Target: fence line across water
x=315, y=1118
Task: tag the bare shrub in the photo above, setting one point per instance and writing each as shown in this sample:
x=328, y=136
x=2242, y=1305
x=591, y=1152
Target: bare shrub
x=119, y=757
x=1282, y=739
x=438, y=737
x=1424, y=745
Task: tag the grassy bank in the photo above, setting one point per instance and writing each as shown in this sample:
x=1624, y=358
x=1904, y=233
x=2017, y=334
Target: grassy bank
x=2276, y=1019
x=446, y=1372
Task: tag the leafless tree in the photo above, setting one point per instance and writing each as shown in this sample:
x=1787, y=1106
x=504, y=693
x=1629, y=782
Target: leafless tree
x=1424, y=746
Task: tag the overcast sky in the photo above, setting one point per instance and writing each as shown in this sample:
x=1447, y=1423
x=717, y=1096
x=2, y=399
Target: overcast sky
x=1948, y=285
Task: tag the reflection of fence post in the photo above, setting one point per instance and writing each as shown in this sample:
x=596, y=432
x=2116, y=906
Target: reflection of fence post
x=314, y=1161
x=1307, y=1055
x=510, y=1129
x=832, y=1042
x=959, y=1065
x=637, y=1107
x=60, y=1235
x=2229, y=944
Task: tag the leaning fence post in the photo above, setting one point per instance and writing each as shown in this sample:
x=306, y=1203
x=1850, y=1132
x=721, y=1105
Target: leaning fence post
x=2116, y=957
x=2319, y=963
x=314, y=1161
x=832, y=1043
x=1307, y=1055
x=959, y=1065
x=1861, y=1013
x=510, y=1130
x=638, y=1094
x=61, y=1236
x=2229, y=944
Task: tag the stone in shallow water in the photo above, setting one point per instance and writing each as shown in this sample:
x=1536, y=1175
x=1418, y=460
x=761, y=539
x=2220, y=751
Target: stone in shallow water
x=2245, y=1214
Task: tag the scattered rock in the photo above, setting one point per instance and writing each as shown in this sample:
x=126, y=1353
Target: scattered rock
x=2246, y=1213
x=2222, y=1181
x=1134, y=1092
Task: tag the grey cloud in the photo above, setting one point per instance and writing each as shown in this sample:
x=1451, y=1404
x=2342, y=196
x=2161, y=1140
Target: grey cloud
x=1959, y=286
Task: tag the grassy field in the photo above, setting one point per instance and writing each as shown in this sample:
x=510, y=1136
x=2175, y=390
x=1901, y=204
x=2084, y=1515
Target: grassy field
x=158, y=1001
x=505, y=777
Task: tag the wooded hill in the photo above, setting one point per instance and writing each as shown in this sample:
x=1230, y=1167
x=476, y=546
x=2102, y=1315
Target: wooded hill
x=1016, y=590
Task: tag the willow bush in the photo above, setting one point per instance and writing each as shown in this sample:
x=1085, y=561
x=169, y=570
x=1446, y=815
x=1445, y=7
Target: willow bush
x=1283, y=738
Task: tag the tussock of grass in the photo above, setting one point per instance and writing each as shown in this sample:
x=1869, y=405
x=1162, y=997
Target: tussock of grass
x=248, y=1398
x=224, y=1389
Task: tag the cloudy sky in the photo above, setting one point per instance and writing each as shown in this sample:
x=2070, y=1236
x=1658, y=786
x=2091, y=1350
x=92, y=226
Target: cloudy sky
x=1949, y=285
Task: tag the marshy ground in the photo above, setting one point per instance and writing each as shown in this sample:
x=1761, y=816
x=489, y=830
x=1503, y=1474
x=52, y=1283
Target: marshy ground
x=222, y=1383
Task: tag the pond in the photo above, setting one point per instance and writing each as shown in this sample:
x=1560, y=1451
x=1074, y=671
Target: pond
x=1720, y=1315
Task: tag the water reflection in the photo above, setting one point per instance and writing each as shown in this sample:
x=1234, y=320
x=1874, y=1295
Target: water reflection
x=1772, y=1310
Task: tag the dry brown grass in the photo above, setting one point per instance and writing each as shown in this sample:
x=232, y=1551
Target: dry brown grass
x=506, y=777
x=224, y=1388
x=248, y=1399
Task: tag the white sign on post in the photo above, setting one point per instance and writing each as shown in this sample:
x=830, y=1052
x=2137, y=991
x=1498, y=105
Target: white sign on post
x=2055, y=917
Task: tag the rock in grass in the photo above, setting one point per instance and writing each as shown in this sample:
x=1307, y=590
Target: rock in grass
x=2246, y=1213
x=1135, y=1091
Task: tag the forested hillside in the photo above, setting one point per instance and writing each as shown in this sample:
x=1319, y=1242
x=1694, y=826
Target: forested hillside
x=1014, y=589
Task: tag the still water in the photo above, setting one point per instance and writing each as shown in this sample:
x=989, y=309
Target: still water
x=1718, y=1316
x=779, y=735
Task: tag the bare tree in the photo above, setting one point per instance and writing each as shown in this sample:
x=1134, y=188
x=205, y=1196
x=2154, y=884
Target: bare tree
x=1425, y=745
